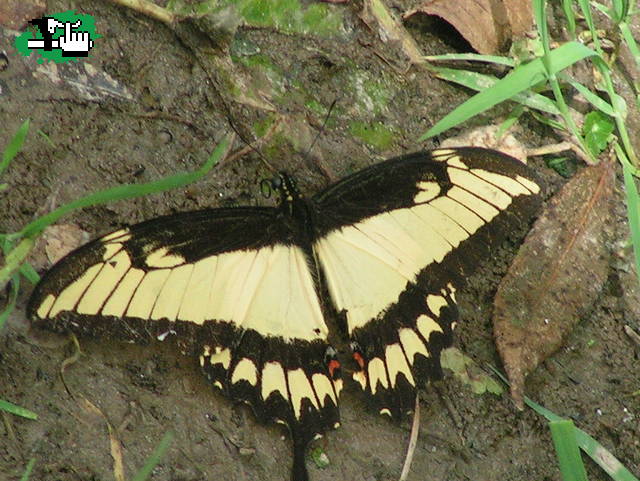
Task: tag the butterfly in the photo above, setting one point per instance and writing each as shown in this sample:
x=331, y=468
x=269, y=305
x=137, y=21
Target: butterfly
x=248, y=290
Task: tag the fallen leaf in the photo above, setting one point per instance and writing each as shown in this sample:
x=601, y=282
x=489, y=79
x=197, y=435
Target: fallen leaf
x=116, y=454
x=520, y=16
x=60, y=239
x=85, y=79
x=485, y=136
x=56, y=242
x=468, y=372
x=488, y=25
x=556, y=276
x=377, y=16
x=114, y=443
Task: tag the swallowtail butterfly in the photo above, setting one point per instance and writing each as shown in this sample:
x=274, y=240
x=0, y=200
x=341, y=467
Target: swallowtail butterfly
x=242, y=288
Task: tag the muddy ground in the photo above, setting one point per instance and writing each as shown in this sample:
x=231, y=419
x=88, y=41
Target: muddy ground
x=150, y=106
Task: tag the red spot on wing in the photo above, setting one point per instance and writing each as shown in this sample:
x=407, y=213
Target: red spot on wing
x=334, y=365
x=359, y=359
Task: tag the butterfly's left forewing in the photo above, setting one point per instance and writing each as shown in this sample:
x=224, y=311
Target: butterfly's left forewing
x=397, y=239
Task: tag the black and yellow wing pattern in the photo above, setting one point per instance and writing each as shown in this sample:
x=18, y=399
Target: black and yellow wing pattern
x=241, y=287
x=397, y=239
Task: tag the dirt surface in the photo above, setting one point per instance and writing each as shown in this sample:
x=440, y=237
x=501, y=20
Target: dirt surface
x=151, y=106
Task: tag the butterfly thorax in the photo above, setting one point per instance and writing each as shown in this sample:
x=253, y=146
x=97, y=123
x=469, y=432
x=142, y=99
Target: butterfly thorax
x=295, y=209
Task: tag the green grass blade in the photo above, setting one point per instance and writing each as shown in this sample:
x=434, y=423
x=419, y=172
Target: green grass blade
x=633, y=205
x=630, y=40
x=479, y=82
x=567, y=450
x=126, y=192
x=28, y=469
x=11, y=303
x=621, y=9
x=470, y=57
x=607, y=461
x=598, y=102
x=540, y=15
x=46, y=138
x=17, y=410
x=15, y=144
x=602, y=8
x=155, y=457
x=511, y=119
x=588, y=18
x=554, y=124
x=520, y=79
x=603, y=457
x=14, y=257
x=29, y=273
x=567, y=8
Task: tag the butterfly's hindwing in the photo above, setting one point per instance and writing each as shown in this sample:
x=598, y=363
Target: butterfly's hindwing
x=290, y=382
x=400, y=352
x=397, y=239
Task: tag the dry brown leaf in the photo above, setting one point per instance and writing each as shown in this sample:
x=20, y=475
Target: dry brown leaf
x=56, y=242
x=378, y=17
x=116, y=453
x=486, y=136
x=486, y=24
x=556, y=276
x=115, y=445
x=60, y=239
x=519, y=15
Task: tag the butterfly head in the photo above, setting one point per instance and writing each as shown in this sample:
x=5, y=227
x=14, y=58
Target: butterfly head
x=286, y=188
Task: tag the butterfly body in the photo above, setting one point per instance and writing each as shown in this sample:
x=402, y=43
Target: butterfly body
x=242, y=287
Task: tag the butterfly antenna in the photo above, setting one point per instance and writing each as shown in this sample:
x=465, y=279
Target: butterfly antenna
x=249, y=147
x=324, y=124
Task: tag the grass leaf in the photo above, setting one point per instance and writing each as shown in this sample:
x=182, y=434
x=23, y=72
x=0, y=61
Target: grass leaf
x=607, y=461
x=155, y=457
x=15, y=144
x=479, y=82
x=17, y=410
x=11, y=303
x=633, y=205
x=567, y=450
x=470, y=57
x=593, y=99
x=127, y=191
x=522, y=78
x=28, y=469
